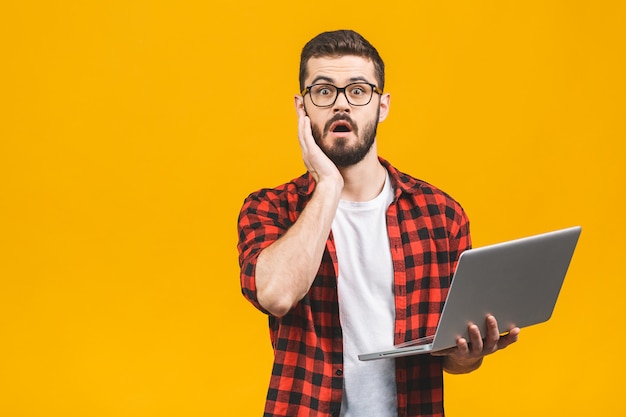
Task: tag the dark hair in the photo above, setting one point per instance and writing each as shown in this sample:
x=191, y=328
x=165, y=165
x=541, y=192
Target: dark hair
x=339, y=43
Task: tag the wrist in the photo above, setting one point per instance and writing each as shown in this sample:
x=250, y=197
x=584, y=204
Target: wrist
x=329, y=185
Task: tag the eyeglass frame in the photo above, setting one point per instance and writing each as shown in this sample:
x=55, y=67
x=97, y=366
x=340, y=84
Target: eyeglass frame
x=375, y=89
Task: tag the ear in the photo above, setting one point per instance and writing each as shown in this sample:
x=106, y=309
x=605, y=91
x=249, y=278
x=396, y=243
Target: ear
x=298, y=100
x=384, y=107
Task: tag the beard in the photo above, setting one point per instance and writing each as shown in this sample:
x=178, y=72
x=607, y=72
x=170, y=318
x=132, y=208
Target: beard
x=339, y=152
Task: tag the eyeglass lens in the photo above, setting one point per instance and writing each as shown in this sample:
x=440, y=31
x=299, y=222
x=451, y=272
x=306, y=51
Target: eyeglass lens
x=357, y=94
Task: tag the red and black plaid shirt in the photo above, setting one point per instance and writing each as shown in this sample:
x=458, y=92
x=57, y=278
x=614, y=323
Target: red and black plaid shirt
x=428, y=231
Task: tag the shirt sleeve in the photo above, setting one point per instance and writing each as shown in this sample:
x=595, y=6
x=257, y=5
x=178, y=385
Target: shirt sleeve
x=460, y=240
x=259, y=226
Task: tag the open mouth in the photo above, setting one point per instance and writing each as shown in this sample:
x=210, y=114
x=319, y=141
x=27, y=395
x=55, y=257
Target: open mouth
x=341, y=126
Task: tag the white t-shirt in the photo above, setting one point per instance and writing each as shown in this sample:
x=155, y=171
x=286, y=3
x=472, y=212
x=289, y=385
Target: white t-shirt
x=366, y=304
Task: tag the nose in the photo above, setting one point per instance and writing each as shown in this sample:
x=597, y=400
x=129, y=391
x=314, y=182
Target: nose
x=341, y=103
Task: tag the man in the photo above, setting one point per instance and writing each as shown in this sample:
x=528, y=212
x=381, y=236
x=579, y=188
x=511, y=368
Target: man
x=353, y=256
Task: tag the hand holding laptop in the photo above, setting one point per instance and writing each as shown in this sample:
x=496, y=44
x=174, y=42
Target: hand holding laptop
x=516, y=281
x=467, y=355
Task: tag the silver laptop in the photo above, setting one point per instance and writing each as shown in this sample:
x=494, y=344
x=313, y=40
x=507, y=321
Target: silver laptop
x=518, y=282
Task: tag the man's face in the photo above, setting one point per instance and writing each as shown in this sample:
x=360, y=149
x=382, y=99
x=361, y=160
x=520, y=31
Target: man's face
x=343, y=131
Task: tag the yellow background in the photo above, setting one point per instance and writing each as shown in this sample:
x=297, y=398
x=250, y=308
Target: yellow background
x=131, y=131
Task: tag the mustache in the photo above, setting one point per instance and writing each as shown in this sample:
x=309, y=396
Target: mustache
x=337, y=117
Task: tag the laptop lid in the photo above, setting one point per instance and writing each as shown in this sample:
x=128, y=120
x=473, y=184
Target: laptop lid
x=517, y=281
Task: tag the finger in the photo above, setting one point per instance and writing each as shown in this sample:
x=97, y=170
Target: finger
x=300, y=111
x=305, y=137
x=301, y=128
x=462, y=346
x=475, y=338
x=308, y=133
x=493, y=334
x=509, y=339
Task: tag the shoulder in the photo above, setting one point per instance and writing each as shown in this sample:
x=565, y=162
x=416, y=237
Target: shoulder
x=281, y=201
x=431, y=199
x=297, y=187
x=406, y=183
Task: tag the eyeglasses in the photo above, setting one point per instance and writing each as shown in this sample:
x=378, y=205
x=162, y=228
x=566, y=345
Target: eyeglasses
x=357, y=94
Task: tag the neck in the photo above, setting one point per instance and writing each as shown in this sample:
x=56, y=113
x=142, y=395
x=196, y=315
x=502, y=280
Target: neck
x=365, y=180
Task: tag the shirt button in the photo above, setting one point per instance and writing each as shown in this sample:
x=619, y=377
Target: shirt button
x=339, y=372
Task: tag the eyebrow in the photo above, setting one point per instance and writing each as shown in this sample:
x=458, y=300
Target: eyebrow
x=331, y=81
